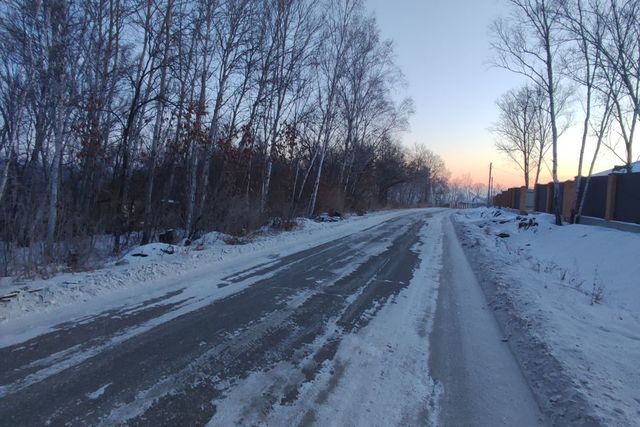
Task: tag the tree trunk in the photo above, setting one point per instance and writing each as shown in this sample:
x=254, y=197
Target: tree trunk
x=191, y=195
x=585, y=132
x=193, y=172
x=5, y=173
x=554, y=130
x=54, y=185
x=601, y=133
x=293, y=191
x=314, y=194
x=538, y=166
x=208, y=151
x=157, y=129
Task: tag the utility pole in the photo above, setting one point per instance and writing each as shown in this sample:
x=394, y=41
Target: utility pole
x=489, y=187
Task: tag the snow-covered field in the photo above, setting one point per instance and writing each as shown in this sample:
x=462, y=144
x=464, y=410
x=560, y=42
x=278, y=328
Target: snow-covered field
x=577, y=288
x=155, y=269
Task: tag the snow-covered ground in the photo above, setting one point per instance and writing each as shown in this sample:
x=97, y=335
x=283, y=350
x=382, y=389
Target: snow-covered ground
x=152, y=270
x=570, y=297
x=357, y=313
x=578, y=290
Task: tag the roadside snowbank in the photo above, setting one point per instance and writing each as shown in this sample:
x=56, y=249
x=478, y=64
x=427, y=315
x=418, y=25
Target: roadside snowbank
x=578, y=287
x=146, y=265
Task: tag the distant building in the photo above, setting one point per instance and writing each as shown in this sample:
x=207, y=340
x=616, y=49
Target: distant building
x=474, y=202
x=635, y=168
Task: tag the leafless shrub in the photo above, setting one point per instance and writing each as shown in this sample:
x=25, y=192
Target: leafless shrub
x=563, y=274
x=597, y=291
x=238, y=240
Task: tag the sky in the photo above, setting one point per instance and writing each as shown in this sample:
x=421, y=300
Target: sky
x=443, y=49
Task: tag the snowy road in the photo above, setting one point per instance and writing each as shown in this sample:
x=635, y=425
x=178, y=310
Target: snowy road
x=484, y=383
x=339, y=334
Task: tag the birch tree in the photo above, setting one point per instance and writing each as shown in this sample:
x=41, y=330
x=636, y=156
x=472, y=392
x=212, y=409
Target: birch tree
x=128, y=118
x=164, y=60
x=528, y=42
x=295, y=29
x=330, y=67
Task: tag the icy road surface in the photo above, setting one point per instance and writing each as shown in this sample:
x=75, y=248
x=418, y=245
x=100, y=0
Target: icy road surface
x=386, y=326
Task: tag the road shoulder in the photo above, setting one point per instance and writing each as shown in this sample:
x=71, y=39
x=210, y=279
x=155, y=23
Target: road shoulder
x=482, y=381
x=558, y=397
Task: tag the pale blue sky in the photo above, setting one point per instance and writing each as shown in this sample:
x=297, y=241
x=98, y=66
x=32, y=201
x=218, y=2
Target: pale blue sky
x=443, y=49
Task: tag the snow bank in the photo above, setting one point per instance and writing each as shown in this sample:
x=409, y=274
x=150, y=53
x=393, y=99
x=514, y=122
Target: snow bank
x=579, y=287
x=144, y=266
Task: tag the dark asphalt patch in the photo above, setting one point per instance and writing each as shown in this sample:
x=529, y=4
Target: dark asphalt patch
x=88, y=333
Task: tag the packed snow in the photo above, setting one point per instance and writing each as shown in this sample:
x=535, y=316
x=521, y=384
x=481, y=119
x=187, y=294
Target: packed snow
x=378, y=376
x=635, y=168
x=579, y=288
x=99, y=392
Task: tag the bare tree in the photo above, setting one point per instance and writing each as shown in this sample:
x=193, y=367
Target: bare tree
x=542, y=132
x=515, y=128
x=120, y=118
x=331, y=67
x=204, y=28
x=584, y=60
x=528, y=43
x=228, y=40
x=292, y=39
x=600, y=129
x=13, y=91
x=164, y=40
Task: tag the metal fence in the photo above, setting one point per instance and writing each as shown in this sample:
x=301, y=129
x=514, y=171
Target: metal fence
x=614, y=197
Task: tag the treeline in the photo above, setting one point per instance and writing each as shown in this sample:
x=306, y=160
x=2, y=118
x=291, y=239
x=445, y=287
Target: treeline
x=129, y=117
x=583, y=53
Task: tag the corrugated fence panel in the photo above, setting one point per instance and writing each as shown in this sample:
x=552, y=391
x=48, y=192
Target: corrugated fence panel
x=541, y=198
x=628, y=198
x=596, y=199
x=560, y=196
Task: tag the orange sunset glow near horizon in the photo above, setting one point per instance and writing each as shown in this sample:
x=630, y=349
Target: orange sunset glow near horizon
x=475, y=159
